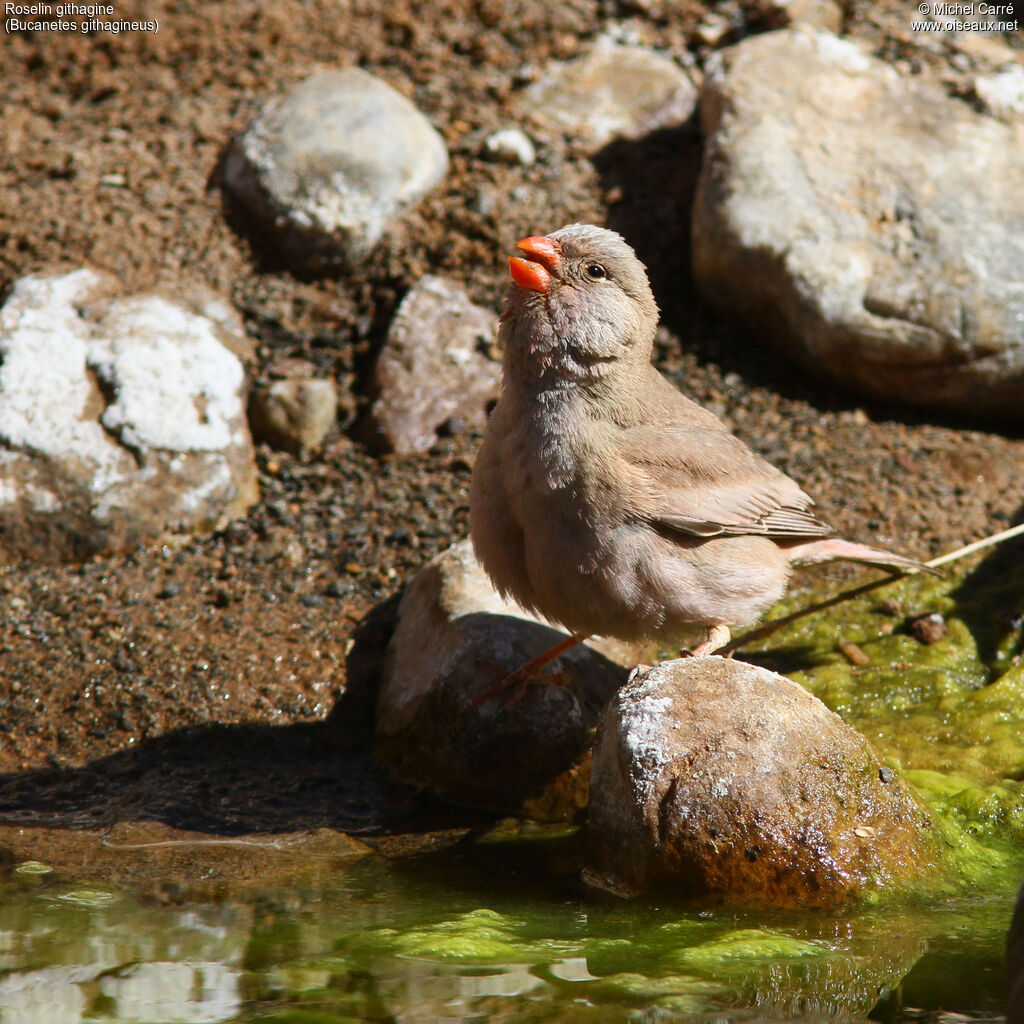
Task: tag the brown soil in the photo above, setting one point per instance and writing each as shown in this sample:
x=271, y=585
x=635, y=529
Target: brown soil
x=193, y=683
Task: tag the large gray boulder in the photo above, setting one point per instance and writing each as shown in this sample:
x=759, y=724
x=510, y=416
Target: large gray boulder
x=120, y=417
x=866, y=221
x=331, y=164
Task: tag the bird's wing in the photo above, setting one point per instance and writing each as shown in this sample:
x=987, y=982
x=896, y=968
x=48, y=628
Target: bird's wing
x=698, y=479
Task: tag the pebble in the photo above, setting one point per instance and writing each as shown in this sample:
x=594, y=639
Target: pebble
x=927, y=629
x=294, y=414
x=510, y=146
x=1002, y=94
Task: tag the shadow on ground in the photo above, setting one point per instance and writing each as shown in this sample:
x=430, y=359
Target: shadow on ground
x=227, y=780
x=239, y=779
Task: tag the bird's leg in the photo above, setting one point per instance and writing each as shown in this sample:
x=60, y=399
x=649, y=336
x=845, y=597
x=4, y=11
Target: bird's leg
x=718, y=636
x=527, y=672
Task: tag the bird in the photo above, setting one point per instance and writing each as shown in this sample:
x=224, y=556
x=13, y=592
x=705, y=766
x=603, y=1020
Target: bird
x=602, y=498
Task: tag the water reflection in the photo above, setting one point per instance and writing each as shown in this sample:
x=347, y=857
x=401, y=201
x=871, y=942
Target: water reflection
x=450, y=938
x=70, y=954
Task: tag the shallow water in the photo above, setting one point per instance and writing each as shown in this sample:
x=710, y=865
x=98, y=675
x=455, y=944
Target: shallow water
x=495, y=926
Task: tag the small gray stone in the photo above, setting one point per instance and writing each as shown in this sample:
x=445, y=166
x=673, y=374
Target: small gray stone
x=511, y=146
x=120, y=417
x=713, y=28
x=866, y=221
x=294, y=414
x=716, y=778
x=612, y=92
x=524, y=750
x=331, y=164
x=433, y=367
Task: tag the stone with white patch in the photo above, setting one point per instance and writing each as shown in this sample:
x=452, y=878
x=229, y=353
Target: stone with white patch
x=510, y=146
x=715, y=778
x=120, y=417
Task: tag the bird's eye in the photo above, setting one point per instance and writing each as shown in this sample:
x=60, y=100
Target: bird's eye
x=595, y=271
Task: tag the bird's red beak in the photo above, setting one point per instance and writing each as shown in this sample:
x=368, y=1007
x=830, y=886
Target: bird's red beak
x=534, y=273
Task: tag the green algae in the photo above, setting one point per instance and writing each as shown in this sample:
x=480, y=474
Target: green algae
x=678, y=993
x=949, y=715
x=750, y=944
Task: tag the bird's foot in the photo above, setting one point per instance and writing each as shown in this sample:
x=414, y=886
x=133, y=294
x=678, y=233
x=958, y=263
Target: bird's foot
x=515, y=684
x=529, y=674
x=718, y=636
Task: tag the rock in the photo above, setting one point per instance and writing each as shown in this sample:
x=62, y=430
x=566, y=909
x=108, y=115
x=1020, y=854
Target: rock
x=294, y=414
x=849, y=213
x=715, y=778
x=1002, y=94
x=928, y=628
x=327, y=167
x=826, y=15
x=612, y=92
x=524, y=752
x=120, y=417
x=511, y=146
x=433, y=367
x=712, y=29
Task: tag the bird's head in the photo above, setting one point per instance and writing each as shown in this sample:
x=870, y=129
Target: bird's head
x=580, y=305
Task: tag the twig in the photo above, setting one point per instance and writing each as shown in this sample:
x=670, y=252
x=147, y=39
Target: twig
x=759, y=632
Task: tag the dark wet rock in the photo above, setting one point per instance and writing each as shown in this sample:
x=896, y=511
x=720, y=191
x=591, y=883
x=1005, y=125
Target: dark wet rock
x=715, y=778
x=294, y=414
x=847, y=211
x=433, y=370
x=612, y=92
x=523, y=750
x=121, y=417
x=330, y=165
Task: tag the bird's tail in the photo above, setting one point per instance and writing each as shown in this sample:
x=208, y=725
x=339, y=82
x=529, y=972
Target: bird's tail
x=834, y=549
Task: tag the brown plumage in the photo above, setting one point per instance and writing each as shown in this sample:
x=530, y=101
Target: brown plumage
x=605, y=500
